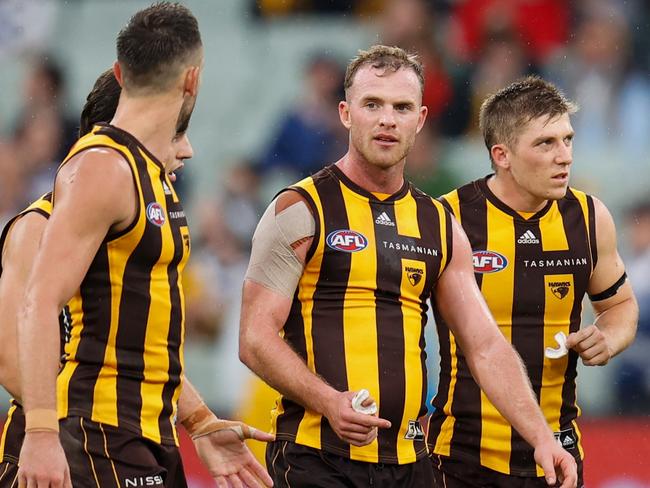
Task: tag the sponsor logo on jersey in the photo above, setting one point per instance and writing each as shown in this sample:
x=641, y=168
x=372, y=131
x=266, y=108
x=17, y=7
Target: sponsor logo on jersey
x=554, y=263
x=560, y=288
x=528, y=238
x=409, y=247
x=414, y=431
x=347, y=240
x=566, y=438
x=488, y=261
x=414, y=274
x=166, y=189
x=156, y=214
x=155, y=480
x=384, y=219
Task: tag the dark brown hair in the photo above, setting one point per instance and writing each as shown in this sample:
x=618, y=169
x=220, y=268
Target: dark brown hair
x=101, y=102
x=504, y=113
x=385, y=58
x=156, y=45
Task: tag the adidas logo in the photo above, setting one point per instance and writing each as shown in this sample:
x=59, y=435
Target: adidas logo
x=567, y=442
x=528, y=238
x=384, y=219
x=166, y=189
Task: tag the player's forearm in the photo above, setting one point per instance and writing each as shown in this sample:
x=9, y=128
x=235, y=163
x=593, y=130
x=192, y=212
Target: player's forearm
x=619, y=324
x=502, y=376
x=189, y=400
x=38, y=339
x=273, y=360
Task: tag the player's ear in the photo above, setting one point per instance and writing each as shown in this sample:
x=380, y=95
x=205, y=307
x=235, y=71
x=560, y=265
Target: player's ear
x=117, y=71
x=344, y=114
x=191, y=81
x=500, y=156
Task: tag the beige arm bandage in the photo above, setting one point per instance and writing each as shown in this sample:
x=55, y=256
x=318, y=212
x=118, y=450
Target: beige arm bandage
x=203, y=422
x=274, y=264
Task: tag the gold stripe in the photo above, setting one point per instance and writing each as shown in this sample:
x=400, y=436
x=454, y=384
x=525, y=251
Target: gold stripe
x=92, y=464
x=156, y=355
x=557, y=317
x=412, y=323
x=406, y=212
x=118, y=250
x=443, y=442
x=551, y=227
x=578, y=435
x=5, y=430
x=498, y=289
x=309, y=428
x=117, y=482
x=582, y=199
x=185, y=234
x=359, y=315
x=442, y=214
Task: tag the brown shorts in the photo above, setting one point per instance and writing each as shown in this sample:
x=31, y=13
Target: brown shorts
x=104, y=456
x=292, y=465
x=456, y=473
x=13, y=435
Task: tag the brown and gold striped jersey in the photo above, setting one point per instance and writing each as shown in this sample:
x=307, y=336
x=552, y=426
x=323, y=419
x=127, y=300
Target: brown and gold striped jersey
x=359, y=310
x=533, y=273
x=13, y=431
x=123, y=363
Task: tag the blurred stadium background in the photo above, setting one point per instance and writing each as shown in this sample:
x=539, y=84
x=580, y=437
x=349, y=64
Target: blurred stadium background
x=267, y=115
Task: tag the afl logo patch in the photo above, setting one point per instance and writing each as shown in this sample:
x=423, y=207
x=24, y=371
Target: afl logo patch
x=155, y=214
x=488, y=261
x=347, y=241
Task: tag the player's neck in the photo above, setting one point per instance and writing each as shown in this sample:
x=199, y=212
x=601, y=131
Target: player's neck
x=371, y=177
x=514, y=196
x=151, y=120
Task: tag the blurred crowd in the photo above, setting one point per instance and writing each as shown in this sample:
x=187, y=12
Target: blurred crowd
x=597, y=51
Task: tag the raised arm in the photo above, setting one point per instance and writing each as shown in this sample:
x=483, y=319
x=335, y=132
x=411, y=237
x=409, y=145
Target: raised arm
x=18, y=256
x=94, y=195
x=266, y=303
x=612, y=298
x=494, y=363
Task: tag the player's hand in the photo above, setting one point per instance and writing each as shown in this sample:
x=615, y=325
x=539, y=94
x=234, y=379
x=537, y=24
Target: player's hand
x=358, y=429
x=42, y=462
x=558, y=464
x=229, y=460
x=591, y=344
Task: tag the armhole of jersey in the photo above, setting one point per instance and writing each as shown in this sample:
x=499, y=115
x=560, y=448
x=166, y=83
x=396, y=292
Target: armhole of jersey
x=593, y=240
x=3, y=236
x=449, y=237
x=115, y=235
x=314, y=212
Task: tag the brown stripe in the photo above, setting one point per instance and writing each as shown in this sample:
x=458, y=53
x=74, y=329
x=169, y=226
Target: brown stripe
x=95, y=290
x=527, y=325
x=390, y=332
x=592, y=231
x=578, y=241
x=175, y=320
x=134, y=310
x=466, y=403
x=327, y=322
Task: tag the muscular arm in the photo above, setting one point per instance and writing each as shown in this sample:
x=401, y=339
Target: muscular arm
x=19, y=253
x=616, y=316
x=264, y=351
x=494, y=363
x=94, y=194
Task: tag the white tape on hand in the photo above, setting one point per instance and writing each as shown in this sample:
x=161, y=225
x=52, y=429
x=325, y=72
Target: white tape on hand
x=561, y=349
x=359, y=398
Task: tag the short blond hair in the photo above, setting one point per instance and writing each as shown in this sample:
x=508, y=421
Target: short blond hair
x=387, y=58
x=505, y=113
